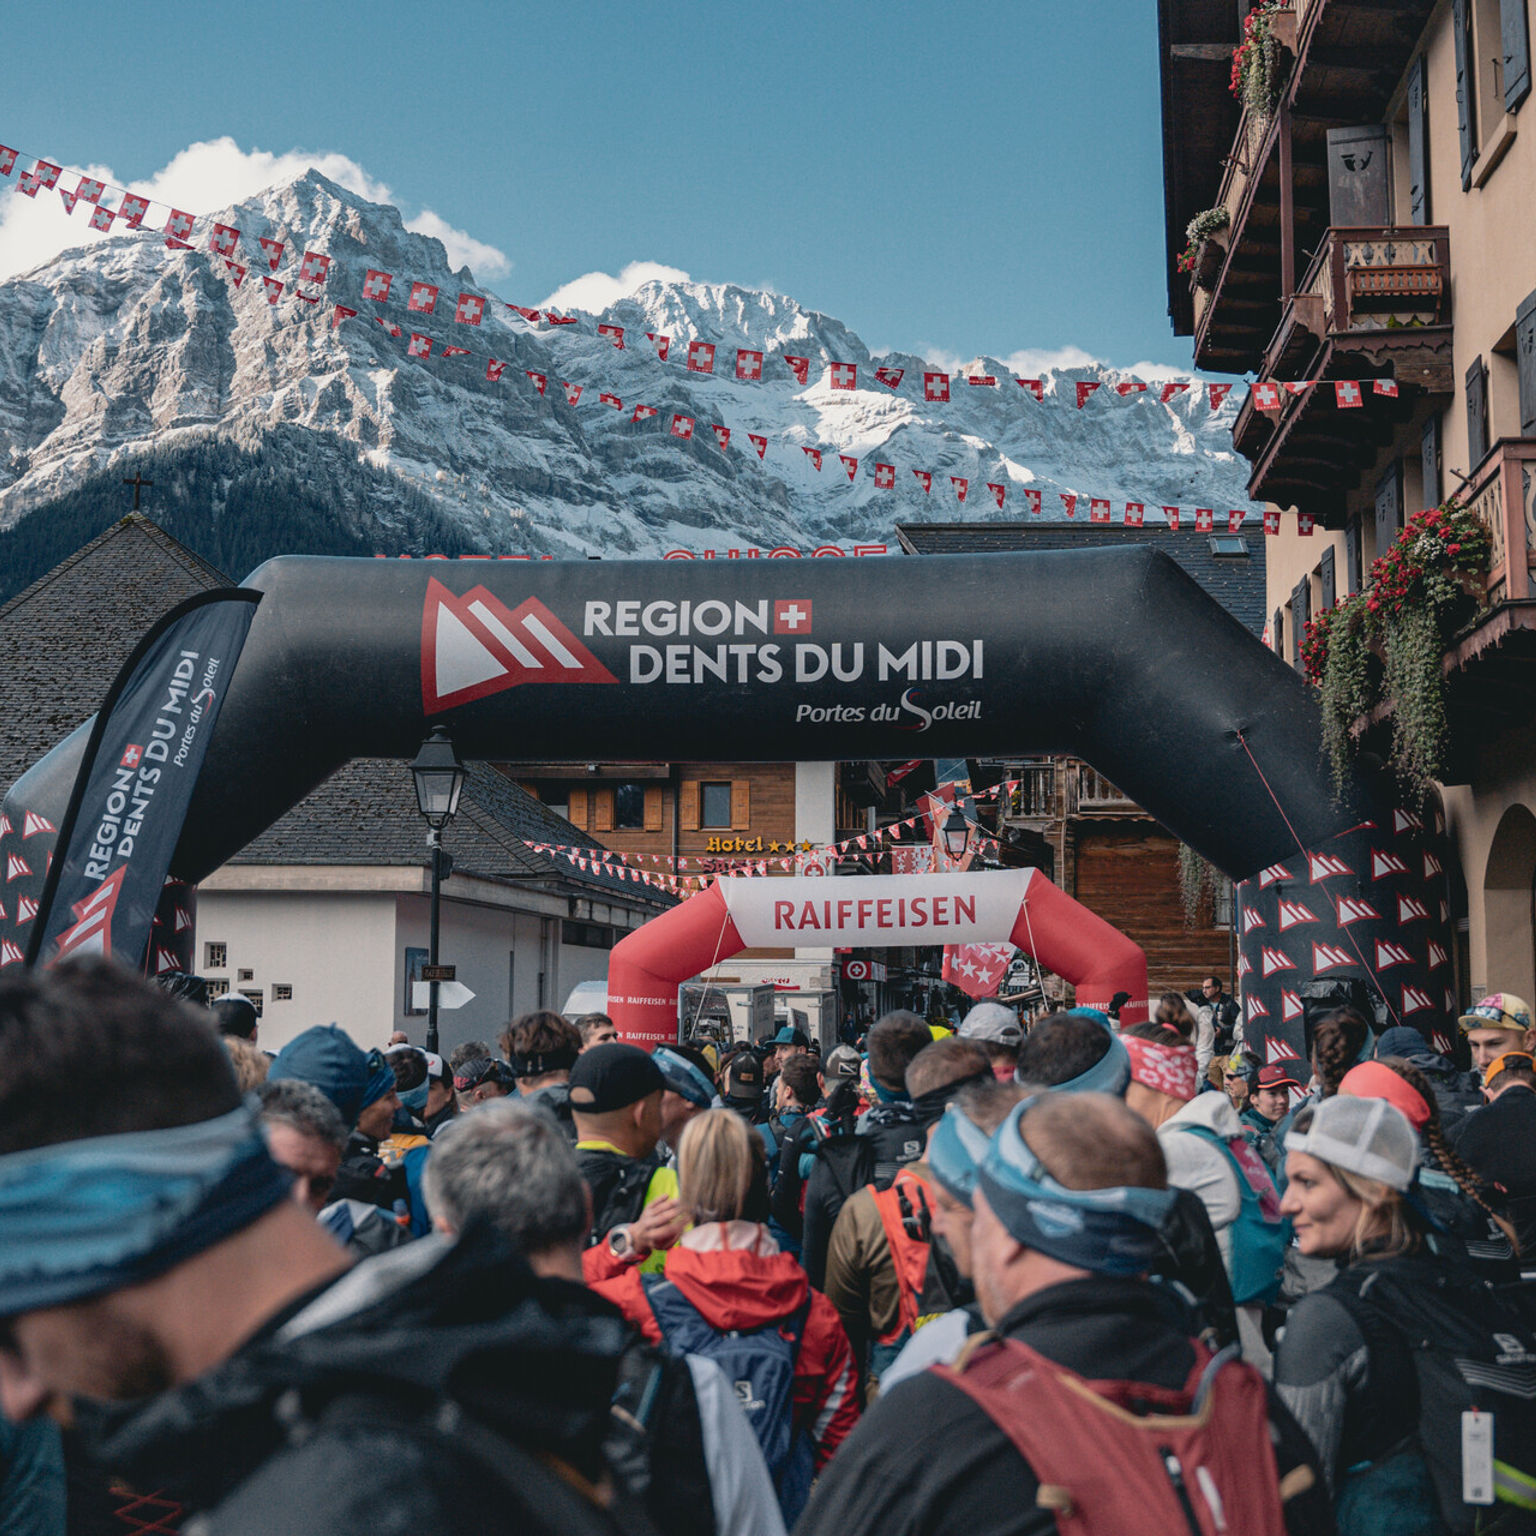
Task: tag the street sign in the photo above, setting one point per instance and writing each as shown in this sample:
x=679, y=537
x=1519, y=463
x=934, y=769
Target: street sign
x=450, y=994
x=439, y=973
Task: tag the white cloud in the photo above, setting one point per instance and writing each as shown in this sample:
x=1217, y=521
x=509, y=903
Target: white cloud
x=596, y=291
x=1034, y=361
x=202, y=178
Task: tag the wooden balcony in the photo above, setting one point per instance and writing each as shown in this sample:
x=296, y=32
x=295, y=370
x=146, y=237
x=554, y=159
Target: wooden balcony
x=1089, y=793
x=1033, y=798
x=1374, y=304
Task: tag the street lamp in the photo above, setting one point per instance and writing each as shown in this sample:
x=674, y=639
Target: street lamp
x=439, y=777
x=957, y=834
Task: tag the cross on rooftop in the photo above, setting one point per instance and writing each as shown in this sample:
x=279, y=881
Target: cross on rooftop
x=138, y=483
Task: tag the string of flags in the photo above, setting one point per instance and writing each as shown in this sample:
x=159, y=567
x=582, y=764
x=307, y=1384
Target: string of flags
x=308, y=271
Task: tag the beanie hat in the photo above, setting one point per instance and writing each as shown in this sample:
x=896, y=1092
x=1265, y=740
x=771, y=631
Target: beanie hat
x=1366, y=1136
x=1403, y=1040
x=1372, y=1080
x=613, y=1076
x=327, y=1057
x=993, y=1024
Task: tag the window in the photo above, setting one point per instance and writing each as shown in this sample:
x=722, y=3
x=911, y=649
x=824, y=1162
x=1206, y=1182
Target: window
x=715, y=805
x=1221, y=903
x=629, y=807
x=218, y=987
x=254, y=997
x=246, y=975
x=1229, y=546
x=215, y=956
x=282, y=991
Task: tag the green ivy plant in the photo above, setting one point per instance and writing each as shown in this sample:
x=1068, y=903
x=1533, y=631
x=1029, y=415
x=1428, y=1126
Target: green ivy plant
x=1255, y=62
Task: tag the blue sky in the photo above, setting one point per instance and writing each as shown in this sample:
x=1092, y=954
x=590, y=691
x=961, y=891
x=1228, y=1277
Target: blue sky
x=951, y=177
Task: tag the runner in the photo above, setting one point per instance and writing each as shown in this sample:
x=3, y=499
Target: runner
x=1499, y=1141
x=1497, y=1023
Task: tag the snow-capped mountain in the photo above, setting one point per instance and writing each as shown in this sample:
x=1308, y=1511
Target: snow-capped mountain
x=125, y=347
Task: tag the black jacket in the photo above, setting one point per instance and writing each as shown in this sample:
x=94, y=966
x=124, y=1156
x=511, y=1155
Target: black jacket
x=927, y=1459
x=1499, y=1141
x=427, y=1390
x=619, y=1185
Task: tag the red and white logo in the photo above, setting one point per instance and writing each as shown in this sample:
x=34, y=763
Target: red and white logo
x=183, y=920
x=1243, y=967
x=885, y=477
x=845, y=375
x=1384, y=864
x=1256, y=1008
x=1405, y=821
x=572, y=391
x=423, y=298
x=314, y=267
x=749, y=364
x=32, y=823
x=273, y=251
x=376, y=286
x=1294, y=913
x=1252, y=919
x=1389, y=954
x=935, y=386
x=1415, y=1001
x=16, y=868
x=1324, y=866
x=1290, y=1006
x=1329, y=957
x=92, y=930
x=469, y=309
x=792, y=616
x=1273, y=960
x=1411, y=910
x=799, y=366
x=1437, y=956
x=26, y=910
x=473, y=646
x=1272, y=875
x=701, y=356
x=1351, y=909
x=1431, y=866
x=1276, y=1049
x=682, y=426
x=9, y=953
x=615, y=334
x=890, y=377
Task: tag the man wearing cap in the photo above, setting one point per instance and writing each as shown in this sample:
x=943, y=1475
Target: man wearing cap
x=616, y=1092
x=159, y=1287
x=1069, y=1201
x=1270, y=1100
x=542, y=1047
x=479, y=1079
x=1499, y=1141
x=996, y=1028
x=742, y=1083
x=688, y=1092
x=1497, y=1023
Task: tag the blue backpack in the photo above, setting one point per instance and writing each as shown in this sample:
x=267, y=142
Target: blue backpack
x=760, y=1366
x=1260, y=1234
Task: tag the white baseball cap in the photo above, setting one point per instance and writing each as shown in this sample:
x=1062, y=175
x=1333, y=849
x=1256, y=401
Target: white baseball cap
x=992, y=1023
x=1366, y=1136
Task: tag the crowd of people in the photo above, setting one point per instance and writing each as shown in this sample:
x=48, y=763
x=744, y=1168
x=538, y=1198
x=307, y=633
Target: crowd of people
x=1060, y=1275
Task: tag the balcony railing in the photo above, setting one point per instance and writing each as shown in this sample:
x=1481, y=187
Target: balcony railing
x=1503, y=494
x=1090, y=791
x=1034, y=797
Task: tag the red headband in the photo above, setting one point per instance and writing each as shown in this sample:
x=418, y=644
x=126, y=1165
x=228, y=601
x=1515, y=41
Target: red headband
x=1372, y=1080
x=1169, y=1069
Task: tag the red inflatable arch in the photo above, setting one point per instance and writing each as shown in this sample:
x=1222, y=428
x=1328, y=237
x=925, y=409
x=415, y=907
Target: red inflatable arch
x=804, y=911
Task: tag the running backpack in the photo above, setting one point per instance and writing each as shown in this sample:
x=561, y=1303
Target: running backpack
x=1260, y=1234
x=1113, y=1457
x=759, y=1364
x=1474, y=1354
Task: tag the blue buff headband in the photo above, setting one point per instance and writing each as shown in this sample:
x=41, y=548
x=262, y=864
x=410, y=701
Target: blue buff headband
x=955, y=1152
x=1106, y=1231
x=683, y=1078
x=82, y=1218
x=1111, y=1073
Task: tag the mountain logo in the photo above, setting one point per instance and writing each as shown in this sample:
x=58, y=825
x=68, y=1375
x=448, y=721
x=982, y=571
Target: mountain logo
x=33, y=824
x=1384, y=864
x=1244, y=966
x=1290, y=1006
x=1293, y=913
x=473, y=646
x=16, y=867
x=1353, y=910
x=1275, y=872
x=1405, y=821
x=9, y=953
x=92, y=931
x=1256, y=1008
x=1431, y=866
x=26, y=910
x=1276, y=1049
x=1324, y=866
x=1252, y=918
x=1437, y=956
x=1274, y=960
x=1389, y=954
x=1329, y=957
x=1411, y=910
x=1415, y=1001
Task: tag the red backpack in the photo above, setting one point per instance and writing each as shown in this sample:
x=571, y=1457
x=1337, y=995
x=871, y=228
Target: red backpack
x=1119, y=1456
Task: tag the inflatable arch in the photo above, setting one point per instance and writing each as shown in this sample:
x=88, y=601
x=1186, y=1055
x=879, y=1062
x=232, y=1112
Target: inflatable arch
x=878, y=911
x=1112, y=655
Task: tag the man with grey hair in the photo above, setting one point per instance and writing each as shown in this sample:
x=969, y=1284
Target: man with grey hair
x=306, y=1135
x=693, y=1458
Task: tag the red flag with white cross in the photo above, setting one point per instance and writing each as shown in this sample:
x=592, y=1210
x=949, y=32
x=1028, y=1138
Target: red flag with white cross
x=1098, y=509
x=1033, y=500
x=760, y=443
x=962, y=487
x=935, y=386
x=494, y=370
x=1169, y=391
x=612, y=400
x=1217, y=393
x=1034, y=387
x=1135, y=512
x=469, y=309
x=1085, y=388
x=851, y=465
x=682, y=426
x=845, y=375
x=1130, y=387
x=540, y=381
x=982, y=380
x=314, y=267
x=572, y=391
x=69, y=200
x=701, y=356
x=7, y=159
x=90, y=190
x=102, y=219
x=643, y=411
x=1271, y=522
x=47, y=174
x=273, y=251
x=722, y=436
x=890, y=377
x=1235, y=521
x=224, y=239
x=179, y=225
x=235, y=270
x=1299, y=386
x=1266, y=397
x=749, y=364
x=663, y=344
x=420, y=346
x=551, y=318
x=925, y=480
x=376, y=286
x=997, y=493
x=1070, y=502
x=799, y=366
x=133, y=209
x=1386, y=387
x=386, y=325
x=814, y=455
x=530, y=315
x=273, y=287
x=1172, y=514
x=455, y=351
x=1347, y=393
x=885, y=477
x=29, y=186
x=615, y=334
x=340, y=313
x=1305, y=523
x=1205, y=519
x=423, y=298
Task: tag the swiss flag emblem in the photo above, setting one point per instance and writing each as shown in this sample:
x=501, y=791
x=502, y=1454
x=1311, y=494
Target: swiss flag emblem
x=936, y=386
x=749, y=364
x=92, y=931
x=885, y=476
x=473, y=646
x=792, y=616
x=701, y=356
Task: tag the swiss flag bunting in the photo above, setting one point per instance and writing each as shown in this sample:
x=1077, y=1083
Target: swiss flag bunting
x=760, y=443
x=530, y=315
x=1172, y=514
x=722, y=436
x=314, y=267
x=1070, y=502
x=376, y=285
x=340, y=313
x=133, y=209
x=935, y=386
x=420, y=346
x=1386, y=387
x=845, y=375
x=223, y=240
x=799, y=366
x=682, y=426
x=1135, y=511
x=47, y=174
x=1271, y=522
x=1169, y=391
x=423, y=298
x=1084, y=390
x=388, y=325
x=1235, y=521
x=643, y=411
x=997, y=491
x=7, y=160
x=274, y=288
x=1032, y=500
x=885, y=477
x=539, y=380
x=749, y=364
x=494, y=370
x=455, y=351
x=1218, y=393
x=985, y=380
x=90, y=190
x=851, y=465
x=1299, y=386
x=69, y=200
x=572, y=391
x=28, y=186
x=1205, y=519
x=1098, y=510
x=102, y=219
x=890, y=377
x=179, y=225
x=1347, y=393
x=469, y=309
x=701, y=357
x=925, y=480
x=962, y=487
x=1266, y=397
x=615, y=333
x=1035, y=387
x=1130, y=387
x=663, y=344
x=612, y=400
x=551, y=318
x=814, y=455
x=273, y=251
x=1305, y=523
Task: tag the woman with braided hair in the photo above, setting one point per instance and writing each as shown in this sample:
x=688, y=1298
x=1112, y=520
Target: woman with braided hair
x=1453, y=1196
x=1339, y=1040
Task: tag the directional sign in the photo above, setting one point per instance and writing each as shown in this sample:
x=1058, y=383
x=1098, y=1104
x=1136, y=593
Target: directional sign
x=450, y=994
x=439, y=973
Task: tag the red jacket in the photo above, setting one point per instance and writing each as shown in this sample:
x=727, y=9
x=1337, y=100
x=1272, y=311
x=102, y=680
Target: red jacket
x=737, y=1290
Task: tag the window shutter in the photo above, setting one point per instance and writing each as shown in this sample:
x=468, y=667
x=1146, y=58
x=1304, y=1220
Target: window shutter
x=1477, y=412
x=1277, y=631
x=602, y=810
x=1418, y=142
x=1525, y=352
x=653, y=808
x=1327, y=581
x=1301, y=604
x=741, y=804
x=1516, y=35
x=692, y=793
x=1429, y=459
x=1352, y=560
x=1389, y=507
x=576, y=814
x=1466, y=111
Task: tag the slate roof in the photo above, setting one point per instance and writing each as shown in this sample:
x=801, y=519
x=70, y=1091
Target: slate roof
x=1235, y=582
x=63, y=639
x=366, y=814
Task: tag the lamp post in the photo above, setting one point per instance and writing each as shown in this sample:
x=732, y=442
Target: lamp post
x=439, y=777
x=957, y=834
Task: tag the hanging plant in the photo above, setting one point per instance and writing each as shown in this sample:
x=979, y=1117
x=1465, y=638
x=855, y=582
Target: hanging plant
x=1421, y=590
x=1197, y=876
x=1255, y=62
x=1197, y=233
